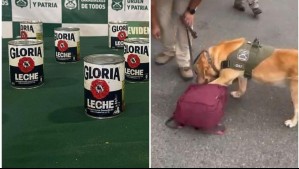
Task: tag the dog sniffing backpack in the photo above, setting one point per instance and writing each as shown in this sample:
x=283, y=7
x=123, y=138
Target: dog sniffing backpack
x=201, y=106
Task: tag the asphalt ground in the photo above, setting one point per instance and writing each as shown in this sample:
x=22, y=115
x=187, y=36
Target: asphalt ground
x=256, y=135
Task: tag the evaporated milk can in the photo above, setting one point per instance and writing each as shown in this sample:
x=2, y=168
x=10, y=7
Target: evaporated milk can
x=104, y=85
x=26, y=60
x=67, y=44
x=117, y=33
x=31, y=30
x=136, y=53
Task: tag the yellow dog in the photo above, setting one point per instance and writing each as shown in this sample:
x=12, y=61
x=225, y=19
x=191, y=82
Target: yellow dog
x=280, y=66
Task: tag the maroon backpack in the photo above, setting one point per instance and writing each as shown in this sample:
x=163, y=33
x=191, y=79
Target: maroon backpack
x=202, y=107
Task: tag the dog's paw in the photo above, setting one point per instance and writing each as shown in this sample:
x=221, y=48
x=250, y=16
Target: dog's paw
x=236, y=94
x=290, y=123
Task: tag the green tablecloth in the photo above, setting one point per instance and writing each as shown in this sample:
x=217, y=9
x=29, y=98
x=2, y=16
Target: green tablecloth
x=47, y=126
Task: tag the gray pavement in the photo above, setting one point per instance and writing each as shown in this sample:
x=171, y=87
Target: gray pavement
x=256, y=135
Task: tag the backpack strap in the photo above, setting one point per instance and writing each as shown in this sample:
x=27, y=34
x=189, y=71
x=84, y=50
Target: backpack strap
x=167, y=123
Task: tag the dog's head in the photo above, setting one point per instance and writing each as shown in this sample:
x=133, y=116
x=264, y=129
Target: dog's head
x=203, y=68
x=208, y=62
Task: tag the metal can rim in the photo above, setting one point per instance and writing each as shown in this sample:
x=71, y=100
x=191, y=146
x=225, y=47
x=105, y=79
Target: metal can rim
x=137, y=40
x=31, y=22
x=25, y=42
x=67, y=29
x=98, y=59
x=118, y=22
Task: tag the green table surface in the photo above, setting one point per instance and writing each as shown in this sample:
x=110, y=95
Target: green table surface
x=47, y=126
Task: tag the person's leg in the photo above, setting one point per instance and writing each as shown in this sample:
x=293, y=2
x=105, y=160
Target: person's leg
x=254, y=5
x=164, y=10
x=182, y=46
x=239, y=5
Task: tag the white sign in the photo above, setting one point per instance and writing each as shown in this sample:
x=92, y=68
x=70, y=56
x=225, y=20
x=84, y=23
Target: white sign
x=38, y=10
x=128, y=10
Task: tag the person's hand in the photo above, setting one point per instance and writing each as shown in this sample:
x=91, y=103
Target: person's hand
x=188, y=19
x=156, y=31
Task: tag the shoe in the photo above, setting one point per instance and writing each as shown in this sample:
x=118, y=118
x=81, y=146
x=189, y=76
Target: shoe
x=256, y=11
x=162, y=59
x=186, y=73
x=239, y=7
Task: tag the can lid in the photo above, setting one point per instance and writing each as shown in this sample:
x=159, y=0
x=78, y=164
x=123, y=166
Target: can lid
x=104, y=59
x=25, y=42
x=31, y=22
x=118, y=22
x=67, y=29
x=137, y=40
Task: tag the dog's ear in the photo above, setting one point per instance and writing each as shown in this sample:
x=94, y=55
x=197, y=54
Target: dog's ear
x=200, y=62
x=204, y=60
x=203, y=65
